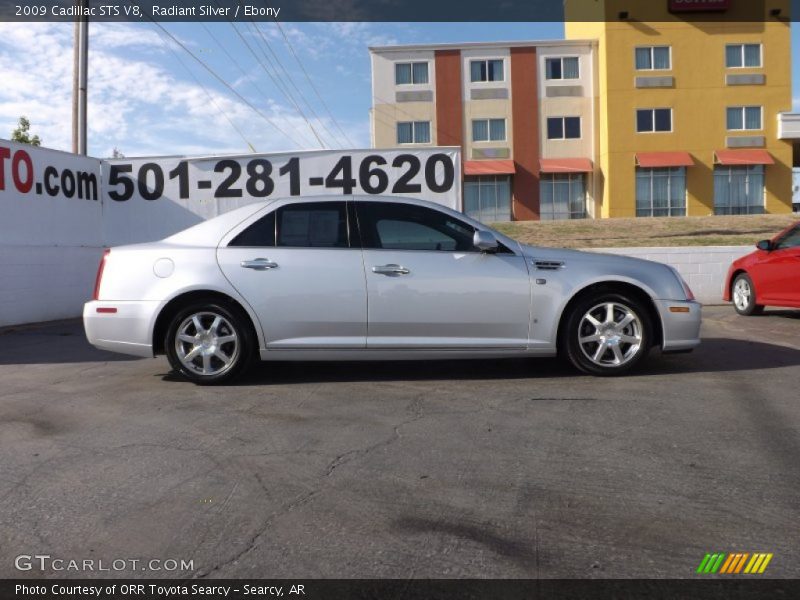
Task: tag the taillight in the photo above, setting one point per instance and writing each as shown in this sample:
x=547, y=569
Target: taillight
x=99, y=277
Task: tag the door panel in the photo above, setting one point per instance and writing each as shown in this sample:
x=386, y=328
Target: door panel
x=447, y=299
x=309, y=289
x=777, y=276
x=428, y=287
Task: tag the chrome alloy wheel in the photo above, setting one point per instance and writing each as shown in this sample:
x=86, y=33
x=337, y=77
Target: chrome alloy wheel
x=610, y=334
x=742, y=293
x=206, y=343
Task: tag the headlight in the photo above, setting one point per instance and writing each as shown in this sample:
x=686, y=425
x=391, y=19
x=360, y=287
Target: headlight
x=686, y=289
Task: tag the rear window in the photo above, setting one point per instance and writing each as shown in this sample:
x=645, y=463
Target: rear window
x=259, y=234
x=312, y=225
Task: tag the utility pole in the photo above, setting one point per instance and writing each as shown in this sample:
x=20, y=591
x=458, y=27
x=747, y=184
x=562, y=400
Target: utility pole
x=80, y=68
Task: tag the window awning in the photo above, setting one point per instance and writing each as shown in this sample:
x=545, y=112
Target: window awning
x=565, y=165
x=489, y=167
x=652, y=160
x=743, y=157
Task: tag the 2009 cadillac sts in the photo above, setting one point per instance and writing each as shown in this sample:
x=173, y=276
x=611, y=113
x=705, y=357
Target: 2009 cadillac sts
x=370, y=278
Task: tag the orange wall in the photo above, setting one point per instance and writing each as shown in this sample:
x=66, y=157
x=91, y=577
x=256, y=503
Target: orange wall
x=525, y=112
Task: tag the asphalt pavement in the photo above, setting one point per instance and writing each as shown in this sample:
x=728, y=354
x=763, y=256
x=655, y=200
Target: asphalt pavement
x=505, y=468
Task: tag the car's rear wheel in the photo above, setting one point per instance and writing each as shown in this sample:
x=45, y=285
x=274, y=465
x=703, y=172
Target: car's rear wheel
x=607, y=334
x=209, y=343
x=744, y=296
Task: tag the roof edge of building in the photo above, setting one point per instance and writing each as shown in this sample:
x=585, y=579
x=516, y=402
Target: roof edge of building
x=469, y=45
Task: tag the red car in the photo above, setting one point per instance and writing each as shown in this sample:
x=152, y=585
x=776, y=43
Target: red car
x=768, y=276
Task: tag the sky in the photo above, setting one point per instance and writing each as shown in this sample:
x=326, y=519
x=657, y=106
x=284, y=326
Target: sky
x=148, y=96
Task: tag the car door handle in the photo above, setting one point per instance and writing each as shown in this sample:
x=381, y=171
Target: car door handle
x=390, y=270
x=259, y=264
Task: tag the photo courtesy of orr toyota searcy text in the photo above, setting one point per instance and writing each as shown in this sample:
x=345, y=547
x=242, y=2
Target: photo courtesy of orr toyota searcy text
x=158, y=590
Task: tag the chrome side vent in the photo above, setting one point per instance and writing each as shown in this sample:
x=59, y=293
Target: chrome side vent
x=548, y=265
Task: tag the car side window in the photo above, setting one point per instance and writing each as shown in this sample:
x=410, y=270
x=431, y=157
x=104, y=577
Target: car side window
x=312, y=225
x=260, y=234
x=393, y=226
x=790, y=240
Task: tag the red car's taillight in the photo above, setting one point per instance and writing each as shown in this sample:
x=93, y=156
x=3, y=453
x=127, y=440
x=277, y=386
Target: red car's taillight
x=99, y=277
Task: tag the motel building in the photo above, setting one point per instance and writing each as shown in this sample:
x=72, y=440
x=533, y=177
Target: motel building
x=655, y=109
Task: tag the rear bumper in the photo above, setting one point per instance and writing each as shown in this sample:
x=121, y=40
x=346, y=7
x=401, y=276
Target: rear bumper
x=681, y=329
x=129, y=330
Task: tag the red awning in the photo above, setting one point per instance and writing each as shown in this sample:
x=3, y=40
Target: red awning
x=489, y=167
x=743, y=157
x=664, y=159
x=565, y=165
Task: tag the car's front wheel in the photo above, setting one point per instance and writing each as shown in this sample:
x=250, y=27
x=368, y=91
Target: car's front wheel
x=744, y=296
x=209, y=343
x=608, y=334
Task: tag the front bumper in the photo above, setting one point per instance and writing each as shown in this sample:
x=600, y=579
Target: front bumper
x=129, y=330
x=681, y=329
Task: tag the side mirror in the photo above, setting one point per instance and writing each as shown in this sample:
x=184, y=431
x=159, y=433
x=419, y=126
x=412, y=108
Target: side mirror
x=765, y=245
x=484, y=241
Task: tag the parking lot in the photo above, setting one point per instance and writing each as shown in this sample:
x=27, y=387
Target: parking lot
x=508, y=468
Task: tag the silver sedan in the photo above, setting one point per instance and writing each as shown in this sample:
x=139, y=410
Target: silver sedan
x=378, y=278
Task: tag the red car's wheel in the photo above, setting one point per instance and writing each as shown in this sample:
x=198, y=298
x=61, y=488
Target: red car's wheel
x=744, y=296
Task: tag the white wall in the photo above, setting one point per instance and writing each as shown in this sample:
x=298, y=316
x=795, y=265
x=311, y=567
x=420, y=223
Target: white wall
x=44, y=283
x=703, y=267
x=50, y=239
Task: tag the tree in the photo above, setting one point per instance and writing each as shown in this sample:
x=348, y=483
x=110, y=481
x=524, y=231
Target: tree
x=22, y=133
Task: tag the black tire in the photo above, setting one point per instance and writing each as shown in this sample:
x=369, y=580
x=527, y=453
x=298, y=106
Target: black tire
x=218, y=321
x=743, y=295
x=610, y=361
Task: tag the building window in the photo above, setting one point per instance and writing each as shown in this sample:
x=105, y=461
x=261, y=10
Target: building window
x=661, y=192
x=486, y=70
x=562, y=196
x=742, y=56
x=414, y=132
x=563, y=128
x=565, y=67
x=739, y=190
x=649, y=120
x=744, y=118
x=653, y=58
x=488, y=198
x=410, y=73
x=488, y=130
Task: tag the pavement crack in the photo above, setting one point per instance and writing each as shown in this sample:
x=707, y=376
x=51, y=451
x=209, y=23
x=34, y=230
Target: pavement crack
x=414, y=407
x=253, y=541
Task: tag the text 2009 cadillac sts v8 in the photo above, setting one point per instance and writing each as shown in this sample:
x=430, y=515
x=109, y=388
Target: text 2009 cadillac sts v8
x=377, y=278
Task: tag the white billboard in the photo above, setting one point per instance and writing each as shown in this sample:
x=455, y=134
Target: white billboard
x=150, y=198
x=51, y=232
x=48, y=198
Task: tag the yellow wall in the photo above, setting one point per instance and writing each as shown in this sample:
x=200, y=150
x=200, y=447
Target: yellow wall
x=698, y=100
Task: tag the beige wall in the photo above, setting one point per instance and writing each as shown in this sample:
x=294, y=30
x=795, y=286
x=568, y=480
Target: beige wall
x=386, y=111
x=486, y=109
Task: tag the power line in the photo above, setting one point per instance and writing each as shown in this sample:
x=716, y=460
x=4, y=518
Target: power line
x=278, y=85
x=313, y=87
x=244, y=73
x=289, y=78
x=281, y=87
x=203, y=87
x=225, y=83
